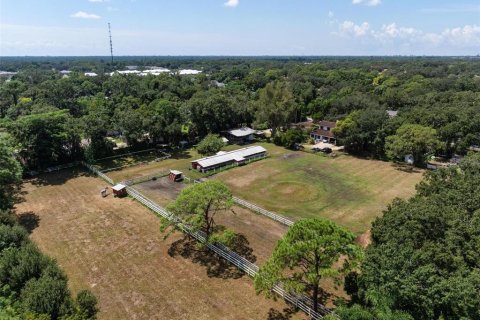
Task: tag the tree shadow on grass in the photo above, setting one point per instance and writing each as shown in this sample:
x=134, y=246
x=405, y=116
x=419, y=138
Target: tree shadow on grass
x=405, y=167
x=29, y=220
x=217, y=267
x=58, y=177
x=181, y=154
x=285, y=314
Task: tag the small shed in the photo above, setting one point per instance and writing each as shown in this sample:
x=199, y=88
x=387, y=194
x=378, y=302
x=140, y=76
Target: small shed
x=175, y=175
x=119, y=190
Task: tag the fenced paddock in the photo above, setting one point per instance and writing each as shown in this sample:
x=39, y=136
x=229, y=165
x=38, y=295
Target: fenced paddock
x=122, y=161
x=302, y=302
x=114, y=248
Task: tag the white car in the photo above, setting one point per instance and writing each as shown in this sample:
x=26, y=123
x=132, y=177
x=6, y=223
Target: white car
x=325, y=140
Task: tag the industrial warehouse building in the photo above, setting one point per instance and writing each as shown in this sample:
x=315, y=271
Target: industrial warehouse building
x=222, y=158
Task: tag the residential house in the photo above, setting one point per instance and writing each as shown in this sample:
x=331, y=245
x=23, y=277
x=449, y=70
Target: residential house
x=325, y=132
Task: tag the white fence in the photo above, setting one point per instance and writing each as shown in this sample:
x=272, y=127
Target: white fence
x=125, y=154
x=302, y=302
x=52, y=169
x=98, y=172
x=255, y=208
x=138, y=180
x=262, y=211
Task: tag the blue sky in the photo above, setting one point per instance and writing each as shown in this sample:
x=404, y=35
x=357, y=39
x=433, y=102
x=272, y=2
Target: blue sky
x=240, y=27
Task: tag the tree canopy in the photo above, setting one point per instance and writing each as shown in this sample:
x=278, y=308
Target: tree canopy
x=10, y=174
x=424, y=251
x=211, y=144
x=413, y=139
x=305, y=255
x=198, y=204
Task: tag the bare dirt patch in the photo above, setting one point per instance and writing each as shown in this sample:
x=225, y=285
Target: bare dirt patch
x=114, y=247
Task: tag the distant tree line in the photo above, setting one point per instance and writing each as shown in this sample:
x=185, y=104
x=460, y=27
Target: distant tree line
x=54, y=119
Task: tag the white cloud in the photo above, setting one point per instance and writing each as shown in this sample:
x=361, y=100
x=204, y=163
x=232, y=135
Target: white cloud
x=391, y=31
x=232, y=3
x=330, y=14
x=84, y=15
x=467, y=36
x=350, y=28
x=371, y=3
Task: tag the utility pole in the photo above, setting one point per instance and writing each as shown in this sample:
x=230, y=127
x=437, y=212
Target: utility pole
x=111, y=45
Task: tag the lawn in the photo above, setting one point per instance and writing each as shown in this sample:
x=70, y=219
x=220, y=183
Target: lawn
x=113, y=247
x=348, y=190
x=180, y=160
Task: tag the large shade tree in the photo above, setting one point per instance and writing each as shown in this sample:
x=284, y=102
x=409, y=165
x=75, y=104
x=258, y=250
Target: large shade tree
x=47, y=138
x=414, y=139
x=10, y=174
x=425, y=251
x=275, y=105
x=198, y=204
x=305, y=255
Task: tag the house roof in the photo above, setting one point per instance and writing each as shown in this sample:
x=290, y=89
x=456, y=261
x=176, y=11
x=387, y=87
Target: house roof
x=176, y=172
x=241, y=132
x=325, y=133
x=235, y=155
x=119, y=187
x=392, y=113
x=330, y=124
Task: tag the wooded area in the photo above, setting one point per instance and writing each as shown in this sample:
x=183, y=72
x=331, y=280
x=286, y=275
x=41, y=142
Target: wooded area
x=423, y=259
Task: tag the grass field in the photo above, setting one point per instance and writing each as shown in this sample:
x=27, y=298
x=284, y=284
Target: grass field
x=179, y=161
x=114, y=247
x=345, y=189
x=258, y=234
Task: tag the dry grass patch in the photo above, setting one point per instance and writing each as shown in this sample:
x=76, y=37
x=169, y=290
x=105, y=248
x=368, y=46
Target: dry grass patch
x=114, y=247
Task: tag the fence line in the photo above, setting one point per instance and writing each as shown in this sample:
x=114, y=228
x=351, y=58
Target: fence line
x=52, y=169
x=262, y=211
x=257, y=209
x=138, y=180
x=125, y=154
x=98, y=172
x=302, y=302
x=166, y=156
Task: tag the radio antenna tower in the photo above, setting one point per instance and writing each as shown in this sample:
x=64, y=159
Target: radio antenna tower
x=111, y=45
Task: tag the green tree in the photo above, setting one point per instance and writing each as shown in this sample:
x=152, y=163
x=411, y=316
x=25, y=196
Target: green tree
x=275, y=105
x=10, y=174
x=305, y=255
x=12, y=236
x=290, y=138
x=10, y=91
x=211, y=144
x=47, y=138
x=87, y=304
x=359, y=131
x=198, y=204
x=413, y=139
x=424, y=251
x=45, y=295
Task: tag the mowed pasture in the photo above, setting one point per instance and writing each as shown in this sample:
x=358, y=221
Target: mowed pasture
x=257, y=234
x=114, y=247
x=347, y=190
x=180, y=160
